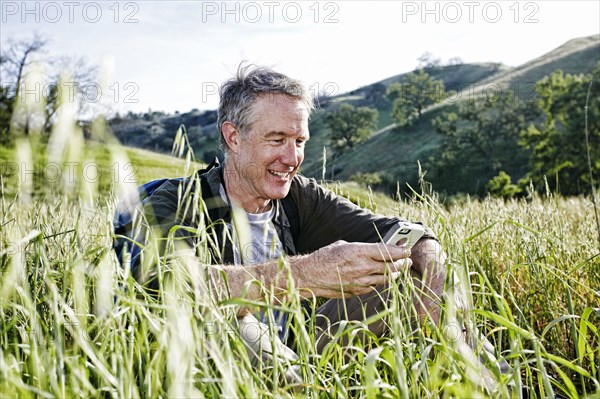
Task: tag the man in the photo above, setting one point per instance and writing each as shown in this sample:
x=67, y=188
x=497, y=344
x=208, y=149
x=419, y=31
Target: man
x=328, y=246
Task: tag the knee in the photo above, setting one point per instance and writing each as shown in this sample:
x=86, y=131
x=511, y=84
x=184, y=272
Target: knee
x=428, y=257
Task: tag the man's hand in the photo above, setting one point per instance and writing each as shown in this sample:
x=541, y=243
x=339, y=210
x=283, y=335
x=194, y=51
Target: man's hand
x=345, y=269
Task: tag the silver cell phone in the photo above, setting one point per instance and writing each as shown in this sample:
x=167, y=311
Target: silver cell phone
x=404, y=234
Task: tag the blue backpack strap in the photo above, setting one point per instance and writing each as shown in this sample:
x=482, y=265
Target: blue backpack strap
x=123, y=218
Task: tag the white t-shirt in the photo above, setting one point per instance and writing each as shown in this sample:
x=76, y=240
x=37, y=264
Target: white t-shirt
x=264, y=246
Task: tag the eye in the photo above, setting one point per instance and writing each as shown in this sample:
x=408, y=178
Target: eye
x=300, y=142
x=277, y=141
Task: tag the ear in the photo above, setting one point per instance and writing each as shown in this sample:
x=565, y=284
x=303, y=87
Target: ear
x=231, y=136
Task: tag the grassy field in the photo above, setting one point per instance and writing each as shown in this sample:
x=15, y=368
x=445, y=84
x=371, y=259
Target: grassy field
x=93, y=165
x=74, y=323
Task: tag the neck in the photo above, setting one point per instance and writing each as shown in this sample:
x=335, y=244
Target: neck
x=240, y=194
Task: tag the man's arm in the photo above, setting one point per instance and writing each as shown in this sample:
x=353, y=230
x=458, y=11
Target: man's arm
x=326, y=216
x=338, y=270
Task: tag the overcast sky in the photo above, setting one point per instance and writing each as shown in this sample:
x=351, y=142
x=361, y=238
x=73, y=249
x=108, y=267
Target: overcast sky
x=172, y=55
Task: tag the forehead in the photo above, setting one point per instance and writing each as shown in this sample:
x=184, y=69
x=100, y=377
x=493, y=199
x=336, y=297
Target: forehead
x=279, y=108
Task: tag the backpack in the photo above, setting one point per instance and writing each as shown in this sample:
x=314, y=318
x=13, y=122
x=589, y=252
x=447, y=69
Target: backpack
x=123, y=217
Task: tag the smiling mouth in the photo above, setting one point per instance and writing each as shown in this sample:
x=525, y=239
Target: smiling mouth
x=283, y=175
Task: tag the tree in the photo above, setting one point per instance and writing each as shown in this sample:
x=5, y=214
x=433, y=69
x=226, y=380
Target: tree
x=376, y=95
x=350, y=126
x=502, y=186
x=367, y=179
x=6, y=105
x=18, y=58
x=455, y=61
x=481, y=139
x=45, y=93
x=428, y=61
x=410, y=97
x=15, y=64
x=69, y=77
x=558, y=144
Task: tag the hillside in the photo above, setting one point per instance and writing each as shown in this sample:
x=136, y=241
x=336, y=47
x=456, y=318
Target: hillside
x=392, y=151
x=397, y=152
x=576, y=56
x=96, y=163
x=156, y=130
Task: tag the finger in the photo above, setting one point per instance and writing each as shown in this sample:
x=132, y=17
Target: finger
x=358, y=290
x=401, y=264
x=395, y=275
x=398, y=252
x=387, y=252
x=391, y=253
x=381, y=268
x=370, y=280
x=324, y=292
x=347, y=293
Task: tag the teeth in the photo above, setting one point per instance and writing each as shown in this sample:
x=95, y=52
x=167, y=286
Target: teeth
x=280, y=174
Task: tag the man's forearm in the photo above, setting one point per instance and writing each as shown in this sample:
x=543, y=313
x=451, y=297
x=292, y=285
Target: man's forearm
x=339, y=270
x=252, y=282
x=276, y=278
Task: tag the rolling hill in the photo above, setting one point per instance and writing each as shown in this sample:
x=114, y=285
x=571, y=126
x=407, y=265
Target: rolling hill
x=393, y=151
x=103, y=167
x=398, y=151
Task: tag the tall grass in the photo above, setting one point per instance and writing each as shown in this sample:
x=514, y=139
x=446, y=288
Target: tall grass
x=75, y=323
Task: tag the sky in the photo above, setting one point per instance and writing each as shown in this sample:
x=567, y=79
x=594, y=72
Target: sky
x=173, y=55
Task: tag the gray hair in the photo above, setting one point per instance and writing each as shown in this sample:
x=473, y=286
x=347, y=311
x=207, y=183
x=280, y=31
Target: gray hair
x=238, y=94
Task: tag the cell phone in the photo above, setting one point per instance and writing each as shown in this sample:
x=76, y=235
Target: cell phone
x=404, y=234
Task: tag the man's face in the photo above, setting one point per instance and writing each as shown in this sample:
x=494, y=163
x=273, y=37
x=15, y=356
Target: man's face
x=269, y=156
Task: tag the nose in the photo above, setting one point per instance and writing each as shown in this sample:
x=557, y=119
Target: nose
x=292, y=154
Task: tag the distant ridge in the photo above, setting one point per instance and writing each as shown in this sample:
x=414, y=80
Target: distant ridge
x=397, y=152
x=571, y=57
x=389, y=150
